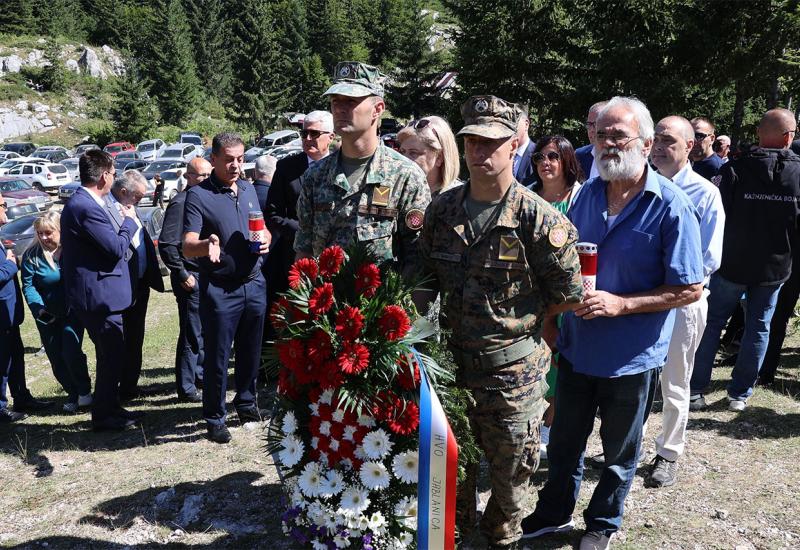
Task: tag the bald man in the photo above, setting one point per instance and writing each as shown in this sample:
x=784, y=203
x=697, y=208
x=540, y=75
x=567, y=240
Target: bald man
x=761, y=194
x=674, y=139
x=183, y=273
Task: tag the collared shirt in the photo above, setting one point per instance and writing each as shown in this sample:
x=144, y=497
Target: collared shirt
x=137, y=237
x=655, y=241
x=593, y=173
x=98, y=200
x=708, y=202
x=213, y=208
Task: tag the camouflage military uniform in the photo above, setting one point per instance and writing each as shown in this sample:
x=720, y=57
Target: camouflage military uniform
x=384, y=212
x=496, y=288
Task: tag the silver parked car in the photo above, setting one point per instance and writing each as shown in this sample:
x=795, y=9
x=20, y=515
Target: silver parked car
x=151, y=149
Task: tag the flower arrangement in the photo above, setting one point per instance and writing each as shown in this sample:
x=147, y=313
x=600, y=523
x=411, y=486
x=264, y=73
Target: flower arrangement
x=346, y=430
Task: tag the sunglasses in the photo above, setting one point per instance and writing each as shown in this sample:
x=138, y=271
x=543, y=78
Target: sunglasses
x=552, y=156
x=4, y=206
x=700, y=136
x=313, y=134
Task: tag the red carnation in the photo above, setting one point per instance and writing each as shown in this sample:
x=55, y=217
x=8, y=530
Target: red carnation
x=354, y=358
x=394, y=323
x=330, y=261
x=349, y=322
x=319, y=347
x=408, y=377
x=293, y=355
x=368, y=279
x=407, y=421
x=330, y=377
x=304, y=267
x=321, y=299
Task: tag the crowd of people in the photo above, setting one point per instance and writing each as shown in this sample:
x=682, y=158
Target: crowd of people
x=683, y=228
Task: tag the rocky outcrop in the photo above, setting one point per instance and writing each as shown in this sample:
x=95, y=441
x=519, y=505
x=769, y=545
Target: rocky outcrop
x=90, y=63
x=13, y=124
x=78, y=59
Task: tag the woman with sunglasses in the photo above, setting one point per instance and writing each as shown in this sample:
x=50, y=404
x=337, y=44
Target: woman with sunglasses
x=430, y=143
x=559, y=181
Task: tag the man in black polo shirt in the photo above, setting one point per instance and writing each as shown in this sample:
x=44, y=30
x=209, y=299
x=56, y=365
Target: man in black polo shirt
x=232, y=289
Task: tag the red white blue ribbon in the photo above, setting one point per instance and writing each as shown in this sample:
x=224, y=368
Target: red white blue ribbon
x=438, y=469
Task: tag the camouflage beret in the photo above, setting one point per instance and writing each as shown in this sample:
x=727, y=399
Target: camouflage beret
x=489, y=116
x=356, y=80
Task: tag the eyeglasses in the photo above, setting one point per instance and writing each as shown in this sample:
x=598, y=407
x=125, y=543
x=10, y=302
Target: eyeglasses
x=590, y=124
x=4, y=206
x=787, y=132
x=700, y=136
x=552, y=156
x=619, y=140
x=313, y=134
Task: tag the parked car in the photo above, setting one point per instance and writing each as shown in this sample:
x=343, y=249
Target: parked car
x=191, y=137
x=117, y=147
x=280, y=152
x=281, y=137
x=81, y=149
x=42, y=176
x=254, y=152
x=8, y=164
x=183, y=151
x=23, y=148
x=51, y=153
x=152, y=217
x=19, y=210
x=5, y=155
x=66, y=191
x=174, y=182
x=390, y=140
x=127, y=164
x=72, y=168
x=161, y=165
x=151, y=149
x=18, y=192
x=17, y=235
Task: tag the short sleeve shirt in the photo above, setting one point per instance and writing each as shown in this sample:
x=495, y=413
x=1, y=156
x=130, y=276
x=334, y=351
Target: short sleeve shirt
x=654, y=241
x=212, y=208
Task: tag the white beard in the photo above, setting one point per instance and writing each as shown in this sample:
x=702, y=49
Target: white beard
x=627, y=166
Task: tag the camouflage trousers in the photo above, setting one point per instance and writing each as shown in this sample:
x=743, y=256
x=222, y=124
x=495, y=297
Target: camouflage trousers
x=506, y=426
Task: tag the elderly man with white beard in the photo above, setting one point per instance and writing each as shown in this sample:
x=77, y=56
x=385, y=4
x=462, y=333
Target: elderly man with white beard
x=615, y=342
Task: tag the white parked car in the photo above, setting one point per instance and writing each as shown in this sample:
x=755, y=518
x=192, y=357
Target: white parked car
x=151, y=149
x=182, y=151
x=5, y=155
x=72, y=167
x=281, y=137
x=174, y=182
x=7, y=165
x=42, y=176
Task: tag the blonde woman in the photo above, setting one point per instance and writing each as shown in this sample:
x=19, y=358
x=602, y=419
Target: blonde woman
x=61, y=333
x=430, y=143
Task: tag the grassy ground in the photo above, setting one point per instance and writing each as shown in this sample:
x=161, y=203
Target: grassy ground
x=64, y=486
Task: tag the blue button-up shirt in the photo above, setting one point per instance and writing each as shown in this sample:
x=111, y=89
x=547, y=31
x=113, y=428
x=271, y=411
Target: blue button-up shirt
x=654, y=241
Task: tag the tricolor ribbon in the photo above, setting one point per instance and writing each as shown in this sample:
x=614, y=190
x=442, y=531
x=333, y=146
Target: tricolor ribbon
x=438, y=470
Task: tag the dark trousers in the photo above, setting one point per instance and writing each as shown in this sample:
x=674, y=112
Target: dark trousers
x=105, y=330
x=622, y=403
x=787, y=299
x=231, y=315
x=189, y=350
x=12, y=367
x=62, y=342
x=133, y=321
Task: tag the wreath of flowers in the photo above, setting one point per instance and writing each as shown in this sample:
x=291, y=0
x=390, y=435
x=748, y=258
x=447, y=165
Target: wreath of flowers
x=345, y=435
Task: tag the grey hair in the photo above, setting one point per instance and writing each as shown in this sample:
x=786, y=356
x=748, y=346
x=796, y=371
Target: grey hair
x=130, y=179
x=324, y=117
x=225, y=139
x=640, y=112
x=265, y=166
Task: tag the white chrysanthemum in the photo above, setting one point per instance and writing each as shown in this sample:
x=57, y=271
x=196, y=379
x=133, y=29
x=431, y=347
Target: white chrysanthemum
x=317, y=545
x=363, y=523
x=334, y=483
x=314, y=409
x=311, y=480
x=406, y=538
x=316, y=513
x=377, y=444
x=349, y=433
x=406, y=512
x=334, y=444
x=359, y=453
x=406, y=466
x=289, y=423
x=338, y=415
x=354, y=500
x=314, y=442
x=326, y=397
x=374, y=475
x=325, y=427
x=366, y=421
x=377, y=523
x=323, y=459
x=292, y=451
x=341, y=542
x=330, y=523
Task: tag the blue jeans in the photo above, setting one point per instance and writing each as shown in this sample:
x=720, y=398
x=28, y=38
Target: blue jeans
x=623, y=403
x=759, y=306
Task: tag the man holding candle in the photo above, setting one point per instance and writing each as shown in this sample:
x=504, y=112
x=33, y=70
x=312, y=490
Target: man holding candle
x=233, y=291
x=614, y=343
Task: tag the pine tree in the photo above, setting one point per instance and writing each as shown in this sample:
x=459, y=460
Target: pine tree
x=16, y=16
x=54, y=74
x=176, y=86
x=133, y=112
x=210, y=30
x=61, y=18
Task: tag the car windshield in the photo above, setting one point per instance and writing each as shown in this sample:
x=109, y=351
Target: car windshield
x=17, y=226
x=58, y=169
x=14, y=185
x=173, y=152
x=127, y=155
x=41, y=154
x=146, y=147
x=69, y=163
x=10, y=163
x=113, y=148
x=159, y=166
x=192, y=139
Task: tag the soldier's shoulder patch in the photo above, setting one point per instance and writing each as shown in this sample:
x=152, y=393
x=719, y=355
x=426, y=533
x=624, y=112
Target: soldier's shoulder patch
x=414, y=219
x=716, y=179
x=558, y=235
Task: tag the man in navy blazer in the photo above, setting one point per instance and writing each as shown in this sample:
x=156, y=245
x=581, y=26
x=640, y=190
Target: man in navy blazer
x=97, y=280
x=144, y=272
x=12, y=354
x=524, y=169
x=584, y=154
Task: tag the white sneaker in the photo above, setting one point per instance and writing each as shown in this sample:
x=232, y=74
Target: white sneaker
x=70, y=407
x=85, y=400
x=737, y=405
x=593, y=540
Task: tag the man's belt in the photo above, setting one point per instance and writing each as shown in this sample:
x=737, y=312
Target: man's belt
x=496, y=358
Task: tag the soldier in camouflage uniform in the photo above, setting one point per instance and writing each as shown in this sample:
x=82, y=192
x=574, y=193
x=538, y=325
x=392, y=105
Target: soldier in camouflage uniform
x=504, y=260
x=365, y=192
